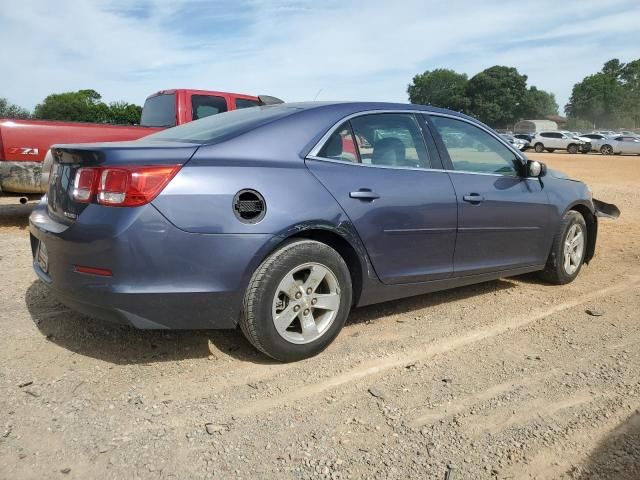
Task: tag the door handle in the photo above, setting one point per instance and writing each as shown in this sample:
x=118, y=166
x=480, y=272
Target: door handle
x=473, y=198
x=364, y=194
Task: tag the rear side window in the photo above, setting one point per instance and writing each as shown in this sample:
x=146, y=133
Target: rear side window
x=206, y=105
x=159, y=111
x=224, y=126
x=390, y=139
x=471, y=149
x=244, y=103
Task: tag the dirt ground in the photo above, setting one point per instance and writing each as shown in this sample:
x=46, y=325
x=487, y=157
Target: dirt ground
x=510, y=379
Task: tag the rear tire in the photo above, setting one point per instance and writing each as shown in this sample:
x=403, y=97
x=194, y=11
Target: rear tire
x=572, y=149
x=539, y=148
x=606, y=150
x=568, y=250
x=281, y=316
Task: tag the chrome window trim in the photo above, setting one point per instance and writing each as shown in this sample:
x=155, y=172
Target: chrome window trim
x=368, y=165
x=314, y=153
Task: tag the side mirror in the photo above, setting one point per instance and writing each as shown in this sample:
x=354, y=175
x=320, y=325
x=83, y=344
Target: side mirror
x=536, y=169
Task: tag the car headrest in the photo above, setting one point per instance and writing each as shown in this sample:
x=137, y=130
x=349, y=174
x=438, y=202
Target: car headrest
x=388, y=151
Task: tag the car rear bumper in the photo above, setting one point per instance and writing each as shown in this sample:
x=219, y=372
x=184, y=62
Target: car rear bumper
x=162, y=277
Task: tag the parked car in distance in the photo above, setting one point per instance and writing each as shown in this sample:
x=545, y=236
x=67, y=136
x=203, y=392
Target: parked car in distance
x=597, y=140
x=525, y=136
x=519, y=143
x=621, y=145
x=608, y=133
x=25, y=159
x=259, y=217
x=558, y=140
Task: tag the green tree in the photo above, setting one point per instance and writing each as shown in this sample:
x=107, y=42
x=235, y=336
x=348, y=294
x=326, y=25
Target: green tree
x=9, y=110
x=496, y=95
x=630, y=76
x=440, y=88
x=538, y=104
x=604, y=99
x=86, y=106
x=125, y=113
x=80, y=106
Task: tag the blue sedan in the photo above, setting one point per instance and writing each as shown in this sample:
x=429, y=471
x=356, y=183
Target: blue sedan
x=282, y=218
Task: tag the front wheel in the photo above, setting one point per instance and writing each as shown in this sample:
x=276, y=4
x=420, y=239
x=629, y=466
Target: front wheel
x=572, y=149
x=297, y=301
x=568, y=250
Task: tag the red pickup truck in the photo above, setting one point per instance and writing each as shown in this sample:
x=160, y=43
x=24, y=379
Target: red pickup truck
x=25, y=144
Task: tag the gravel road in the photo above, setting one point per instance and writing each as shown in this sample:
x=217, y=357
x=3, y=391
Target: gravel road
x=510, y=379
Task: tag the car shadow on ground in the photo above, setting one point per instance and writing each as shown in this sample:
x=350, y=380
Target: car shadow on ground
x=616, y=457
x=15, y=215
x=120, y=344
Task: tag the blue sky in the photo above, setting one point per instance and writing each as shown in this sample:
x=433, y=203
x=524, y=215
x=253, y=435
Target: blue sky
x=299, y=49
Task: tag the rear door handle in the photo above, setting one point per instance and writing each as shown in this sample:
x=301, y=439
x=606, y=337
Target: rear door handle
x=473, y=198
x=364, y=194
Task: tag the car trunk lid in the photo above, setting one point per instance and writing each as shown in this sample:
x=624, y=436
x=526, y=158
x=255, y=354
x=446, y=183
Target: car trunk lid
x=67, y=159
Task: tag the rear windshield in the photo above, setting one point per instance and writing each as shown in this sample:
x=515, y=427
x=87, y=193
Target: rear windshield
x=227, y=124
x=159, y=111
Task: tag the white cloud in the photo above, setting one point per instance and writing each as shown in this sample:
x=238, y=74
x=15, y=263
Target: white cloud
x=296, y=48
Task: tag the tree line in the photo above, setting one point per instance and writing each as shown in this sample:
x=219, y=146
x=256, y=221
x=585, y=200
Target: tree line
x=80, y=106
x=499, y=96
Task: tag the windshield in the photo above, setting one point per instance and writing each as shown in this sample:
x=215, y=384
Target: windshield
x=159, y=111
x=227, y=124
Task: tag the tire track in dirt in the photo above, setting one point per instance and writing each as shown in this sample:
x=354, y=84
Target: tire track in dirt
x=380, y=365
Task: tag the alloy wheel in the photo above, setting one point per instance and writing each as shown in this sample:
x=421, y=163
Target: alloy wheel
x=573, y=249
x=306, y=303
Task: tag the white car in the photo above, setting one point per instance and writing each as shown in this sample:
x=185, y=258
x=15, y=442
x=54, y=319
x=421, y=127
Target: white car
x=622, y=144
x=558, y=140
x=598, y=140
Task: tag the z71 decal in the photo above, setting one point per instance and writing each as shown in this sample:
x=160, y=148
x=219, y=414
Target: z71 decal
x=23, y=151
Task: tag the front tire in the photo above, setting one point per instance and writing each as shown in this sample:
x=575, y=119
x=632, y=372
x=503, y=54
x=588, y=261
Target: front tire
x=297, y=301
x=568, y=250
x=539, y=148
x=573, y=148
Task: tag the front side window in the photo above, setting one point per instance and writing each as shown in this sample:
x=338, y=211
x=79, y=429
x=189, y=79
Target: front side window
x=206, y=105
x=471, y=149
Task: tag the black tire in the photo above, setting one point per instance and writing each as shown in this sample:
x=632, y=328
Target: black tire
x=551, y=150
x=606, y=149
x=539, y=148
x=256, y=321
x=554, y=271
x=572, y=148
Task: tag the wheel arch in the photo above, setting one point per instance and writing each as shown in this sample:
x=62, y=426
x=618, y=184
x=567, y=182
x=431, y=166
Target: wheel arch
x=341, y=239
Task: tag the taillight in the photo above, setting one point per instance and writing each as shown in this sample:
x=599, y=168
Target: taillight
x=122, y=186
x=84, y=184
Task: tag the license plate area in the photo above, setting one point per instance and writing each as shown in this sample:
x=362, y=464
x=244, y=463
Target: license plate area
x=42, y=257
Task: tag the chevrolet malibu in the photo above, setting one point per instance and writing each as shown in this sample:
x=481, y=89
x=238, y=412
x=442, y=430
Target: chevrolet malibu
x=282, y=218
